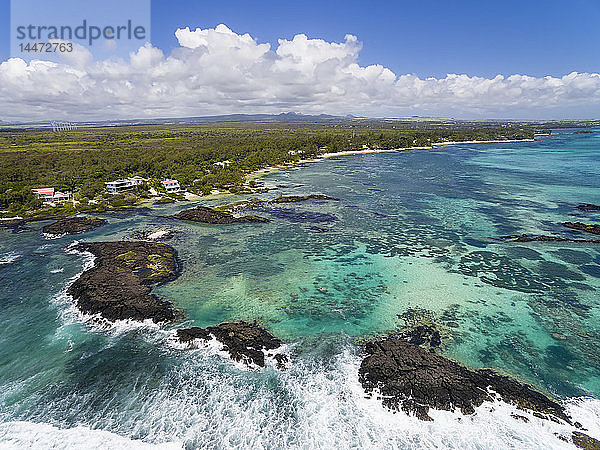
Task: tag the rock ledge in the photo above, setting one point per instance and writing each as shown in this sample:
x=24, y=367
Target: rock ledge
x=245, y=342
x=413, y=380
x=119, y=285
x=73, y=225
x=205, y=214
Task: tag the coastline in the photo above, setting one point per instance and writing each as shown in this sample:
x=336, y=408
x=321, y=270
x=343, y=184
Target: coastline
x=259, y=173
x=270, y=169
x=150, y=357
x=495, y=141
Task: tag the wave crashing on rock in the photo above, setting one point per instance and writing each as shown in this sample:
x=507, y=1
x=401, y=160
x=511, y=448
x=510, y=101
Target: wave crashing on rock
x=412, y=379
x=119, y=285
x=245, y=342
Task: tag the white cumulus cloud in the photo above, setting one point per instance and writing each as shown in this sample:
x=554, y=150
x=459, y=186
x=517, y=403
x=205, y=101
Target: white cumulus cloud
x=218, y=71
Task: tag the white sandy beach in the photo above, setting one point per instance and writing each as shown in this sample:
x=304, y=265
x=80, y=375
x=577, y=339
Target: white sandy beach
x=266, y=170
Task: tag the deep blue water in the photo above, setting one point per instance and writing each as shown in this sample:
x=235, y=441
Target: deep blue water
x=414, y=237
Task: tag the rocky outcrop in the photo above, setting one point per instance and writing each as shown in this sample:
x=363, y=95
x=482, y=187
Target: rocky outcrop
x=153, y=235
x=73, y=225
x=300, y=198
x=245, y=342
x=544, y=238
x=584, y=441
x=579, y=226
x=423, y=335
x=588, y=207
x=256, y=202
x=209, y=215
x=240, y=205
x=119, y=285
x=412, y=379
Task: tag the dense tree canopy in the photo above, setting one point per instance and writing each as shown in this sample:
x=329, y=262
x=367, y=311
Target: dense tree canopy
x=82, y=160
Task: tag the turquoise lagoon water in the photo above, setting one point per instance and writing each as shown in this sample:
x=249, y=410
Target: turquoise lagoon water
x=413, y=238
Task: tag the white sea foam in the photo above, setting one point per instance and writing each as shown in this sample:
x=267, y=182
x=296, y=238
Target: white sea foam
x=586, y=410
x=216, y=404
x=62, y=298
x=207, y=404
x=70, y=313
x=158, y=234
x=209, y=347
x=283, y=349
x=214, y=347
x=9, y=258
x=31, y=435
x=51, y=237
x=336, y=410
x=88, y=261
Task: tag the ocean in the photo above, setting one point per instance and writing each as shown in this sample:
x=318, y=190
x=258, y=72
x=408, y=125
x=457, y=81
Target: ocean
x=412, y=237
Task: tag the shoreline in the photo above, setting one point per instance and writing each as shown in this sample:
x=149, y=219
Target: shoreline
x=259, y=173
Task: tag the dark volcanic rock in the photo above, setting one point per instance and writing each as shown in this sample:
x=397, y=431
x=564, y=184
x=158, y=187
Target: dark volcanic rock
x=186, y=335
x=120, y=283
x=152, y=235
x=209, y=215
x=245, y=342
x=412, y=379
x=579, y=226
x=73, y=225
x=543, y=238
x=423, y=334
x=300, y=198
x=588, y=207
x=584, y=441
x=294, y=216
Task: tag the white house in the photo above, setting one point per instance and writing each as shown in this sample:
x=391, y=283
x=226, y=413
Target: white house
x=223, y=163
x=171, y=186
x=50, y=195
x=125, y=184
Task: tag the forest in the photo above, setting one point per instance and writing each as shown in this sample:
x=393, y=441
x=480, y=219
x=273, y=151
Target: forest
x=81, y=160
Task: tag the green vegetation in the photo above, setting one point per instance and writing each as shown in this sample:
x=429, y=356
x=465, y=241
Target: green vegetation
x=82, y=160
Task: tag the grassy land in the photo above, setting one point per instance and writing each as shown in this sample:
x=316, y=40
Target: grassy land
x=83, y=159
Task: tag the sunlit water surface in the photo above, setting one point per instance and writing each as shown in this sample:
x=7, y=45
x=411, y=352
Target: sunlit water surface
x=413, y=238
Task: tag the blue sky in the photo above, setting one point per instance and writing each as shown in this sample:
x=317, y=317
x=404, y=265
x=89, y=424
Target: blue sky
x=464, y=58
x=428, y=38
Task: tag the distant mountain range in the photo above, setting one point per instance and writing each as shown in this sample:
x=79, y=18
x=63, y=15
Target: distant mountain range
x=293, y=117
x=283, y=117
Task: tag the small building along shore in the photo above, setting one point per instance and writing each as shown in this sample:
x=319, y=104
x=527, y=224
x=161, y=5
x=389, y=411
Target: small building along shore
x=50, y=195
x=171, y=186
x=123, y=185
x=127, y=184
